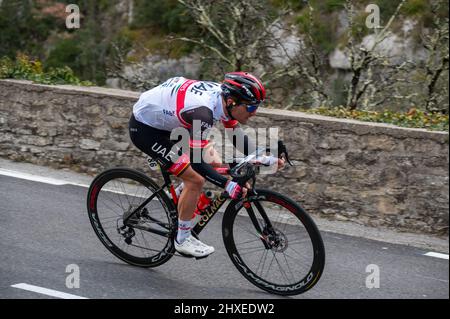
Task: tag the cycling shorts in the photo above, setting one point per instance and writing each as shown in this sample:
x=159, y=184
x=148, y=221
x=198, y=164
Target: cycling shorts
x=158, y=145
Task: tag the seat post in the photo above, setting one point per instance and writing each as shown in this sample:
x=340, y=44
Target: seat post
x=166, y=176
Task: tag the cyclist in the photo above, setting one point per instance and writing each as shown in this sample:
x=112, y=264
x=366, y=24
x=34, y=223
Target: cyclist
x=180, y=102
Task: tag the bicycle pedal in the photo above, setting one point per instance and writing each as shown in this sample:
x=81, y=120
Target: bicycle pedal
x=190, y=256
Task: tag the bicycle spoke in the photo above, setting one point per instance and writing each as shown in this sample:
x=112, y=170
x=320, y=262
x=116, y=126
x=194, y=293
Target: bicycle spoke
x=158, y=238
x=109, y=227
x=145, y=194
x=299, y=254
x=143, y=250
x=124, y=192
x=109, y=224
x=252, y=251
x=270, y=265
x=250, y=241
x=120, y=206
x=249, y=231
x=297, y=261
x=115, y=217
x=298, y=241
x=120, y=190
x=281, y=268
x=285, y=233
x=264, y=257
x=287, y=264
x=118, y=195
x=296, y=233
x=136, y=195
x=107, y=206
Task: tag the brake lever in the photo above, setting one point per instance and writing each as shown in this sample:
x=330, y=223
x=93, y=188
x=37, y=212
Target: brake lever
x=283, y=152
x=287, y=159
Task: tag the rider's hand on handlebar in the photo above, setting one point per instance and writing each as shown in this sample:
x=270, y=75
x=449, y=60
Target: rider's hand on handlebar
x=245, y=189
x=236, y=191
x=281, y=163
x=272, y=160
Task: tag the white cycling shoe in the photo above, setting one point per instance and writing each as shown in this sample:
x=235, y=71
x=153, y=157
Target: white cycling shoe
x=194, y=247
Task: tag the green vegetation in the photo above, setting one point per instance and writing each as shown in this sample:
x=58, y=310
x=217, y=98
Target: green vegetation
x=23, y=29
x=35, y=44
x=169, y=16
x=25, y=69
x=414, y=7
x=321, y=30
x=414, y=118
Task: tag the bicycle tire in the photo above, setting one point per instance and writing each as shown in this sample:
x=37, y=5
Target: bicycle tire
x=94, y=192
x=229, y=232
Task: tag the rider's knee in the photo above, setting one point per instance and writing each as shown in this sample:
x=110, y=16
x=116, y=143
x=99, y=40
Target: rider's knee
x=193, y=180
x=197, y=182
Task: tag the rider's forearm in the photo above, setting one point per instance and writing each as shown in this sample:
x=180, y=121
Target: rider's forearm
x=205, y=169
x=210, y=174
x=241, y=141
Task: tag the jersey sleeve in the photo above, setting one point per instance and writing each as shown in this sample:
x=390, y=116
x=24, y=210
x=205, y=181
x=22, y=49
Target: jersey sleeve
x=198, y=120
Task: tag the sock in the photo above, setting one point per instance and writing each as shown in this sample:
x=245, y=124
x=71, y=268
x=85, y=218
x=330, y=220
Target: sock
x=184, y=230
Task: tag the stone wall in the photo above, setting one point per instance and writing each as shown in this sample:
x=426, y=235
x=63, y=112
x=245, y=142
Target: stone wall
x=372, y=174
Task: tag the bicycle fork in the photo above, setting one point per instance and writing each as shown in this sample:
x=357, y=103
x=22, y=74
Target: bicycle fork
x=268, y=229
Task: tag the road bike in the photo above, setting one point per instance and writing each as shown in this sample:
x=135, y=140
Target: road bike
x=270, y=238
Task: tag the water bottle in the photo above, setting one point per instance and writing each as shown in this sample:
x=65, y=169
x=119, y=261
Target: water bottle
x=177, y=192
x=203, y=202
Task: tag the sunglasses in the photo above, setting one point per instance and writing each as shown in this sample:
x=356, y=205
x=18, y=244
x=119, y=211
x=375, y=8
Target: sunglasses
x=251, y=107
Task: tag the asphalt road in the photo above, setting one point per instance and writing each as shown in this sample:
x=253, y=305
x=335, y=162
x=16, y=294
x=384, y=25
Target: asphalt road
x=44, y=228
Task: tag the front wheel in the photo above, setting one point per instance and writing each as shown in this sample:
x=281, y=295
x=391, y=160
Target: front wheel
x=274, y=243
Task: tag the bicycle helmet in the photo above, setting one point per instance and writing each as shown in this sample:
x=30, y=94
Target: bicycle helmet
x=244, y=87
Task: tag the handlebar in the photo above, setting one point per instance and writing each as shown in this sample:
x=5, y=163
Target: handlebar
x=245, y=170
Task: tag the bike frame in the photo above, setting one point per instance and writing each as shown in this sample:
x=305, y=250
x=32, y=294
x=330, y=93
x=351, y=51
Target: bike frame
x=216, y=203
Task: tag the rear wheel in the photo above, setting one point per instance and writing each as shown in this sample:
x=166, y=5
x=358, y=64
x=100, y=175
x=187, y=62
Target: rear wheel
x=274, y=243
x=146, y=239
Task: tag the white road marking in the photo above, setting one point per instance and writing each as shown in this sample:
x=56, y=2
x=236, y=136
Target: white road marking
x=437, y=255
x=48, y=292
x=426, y=277
x=37, y=178
x=60, y=182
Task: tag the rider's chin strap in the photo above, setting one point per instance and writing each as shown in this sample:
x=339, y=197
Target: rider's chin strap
x=226, y=95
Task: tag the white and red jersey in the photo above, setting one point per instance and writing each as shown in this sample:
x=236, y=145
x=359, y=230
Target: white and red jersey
x=179, y=102
x=172, y=104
